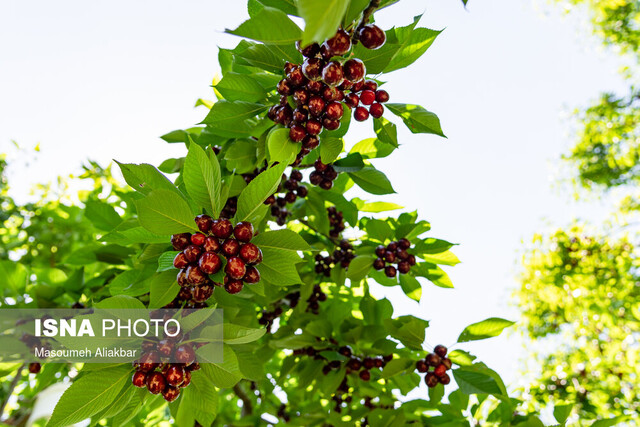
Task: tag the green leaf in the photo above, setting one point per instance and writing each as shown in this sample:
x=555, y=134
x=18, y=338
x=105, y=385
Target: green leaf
x=397, y=366
x=386, y=131
x=322, y=18
x=372, y=148
x=230, y=119
x=610, y=422
x=473, y=380
x=165, y=261
x=410, y=330
x=445, y=258
x=376, y=207
x=354, y=10
x=359, y=267
x=417, y=119
x=267, y=57
x=120, y=301
x=352, y=163
x=280, y=147
x=278, y=267
x=241, y=157
x=562, y=412
x=89, y=395
x=330, y=149
x=263, y=186
x=145, y=178
x=372, y=181
x=375, y=311
x=414, y=42
x=102, y=215
x=240, y=87
x=461, y=357
x=199, y=401
x=411, y=287
x=236, y=334
x=378, y=229
x=203, y=180
x=225, y=374
x=281, y=239
x=488, y=328
x=269, y=25
x=13, y=275
x=163, y=289
x=164, y=212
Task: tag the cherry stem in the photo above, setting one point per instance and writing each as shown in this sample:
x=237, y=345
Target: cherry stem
x=247, y=406
x=11, y=388
x=366, y=15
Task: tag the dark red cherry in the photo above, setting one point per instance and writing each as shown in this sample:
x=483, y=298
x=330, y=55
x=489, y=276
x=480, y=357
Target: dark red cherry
x=354, y=70
x=252, y=275
x=310, y=142
x=367, y=97
x=314, y=127
x=156, y=382
x=180, y=261
x=297, y=133
x=202, y=293
x=230, y=247
x=204, y=223
x=316, y=105
x=195, y=276
x=243, y=231
x=170, y=393
x=296, y=77
x=440, y=350
x=390, y=271
x=309, y=51
x=332, y=74
x=361, y=114
x=210, y=263
x=312, y=68
x=382, y=96
x=185, y=354
x=250, y=253
x=139, y=379
x=211, y=244
x=352, y=100
x=334, y=111
x=330, y=124
x=371, y=36
x=340, y=43
x=284, y=87
x=370, y=85
x=233, y=286
x=180, y=241
x=431, y=380
x=222, y=228
x=235, y=268
x=174, y=375
x=165, y=347
x=376, y=110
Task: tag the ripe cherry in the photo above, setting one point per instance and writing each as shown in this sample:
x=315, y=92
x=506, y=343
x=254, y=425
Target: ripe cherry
x=334, y=111
x=354, y=364
x=433, y=359
x=165, y=347
x=35, y=368
x=195, y=276
x=180, y=241
x=314, y=127
x=185, y=354
x=371, y=36
x=180, y=261
x=170, y=393
x=181, y=278
x=312, y=68
x=365, y=375
x=330, y=124
x=444, y=379
x=431, y=380
x=149, y=361
x=447, y=362
x=187, y=378
x=404, y=267
x=174, y=375
x=440, y=350
x=222, y=228
x=390, y=257
x=440, y=370
x=315, y=178
x=211, y=244
x=301, y=114
x=252, y=275
x=315, y=86
x=370, y=85
x=332, y=74
x=192, y=253
x=361, y=114
x=233, y=286
x=376, y=110
x=210, y=263
x=367, y=97
x=354, y=70
x=316, y=105
x=284, y=87
x=380, y=250
x=345, y=351
x=340, y=43
x=296, y=175
x=230, y=247
x=204, y=223
x=156, y=382
x=326, y=184
x=390, y=271
x=296, y=77
x=139, y=379
x=297, y=133
x=422, y=366
x=243, y=231
x=302, y=191
x=235, y=268
x=352, y=100
x=285, y=115
x=250, y=253
x=202, y=293
x=378, y=264
x=309, y=51
x=382, y=96
x=411, y=260
x=368, y=362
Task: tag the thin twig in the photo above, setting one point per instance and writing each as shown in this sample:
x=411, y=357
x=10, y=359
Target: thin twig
x=366, y=15
x=11, y=388
x=247, y=406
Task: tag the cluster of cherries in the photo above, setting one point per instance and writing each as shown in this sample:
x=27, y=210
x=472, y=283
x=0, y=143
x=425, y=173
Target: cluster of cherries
x=336, y=221
x=394, y=253
x=323, y=175
x=293, y=190
x=440, y=364
x=162, y=377
x=361, y=365
x=202, y=254
x=318, y=86
x=342, y=255
x=289, y=301
x=317, y=296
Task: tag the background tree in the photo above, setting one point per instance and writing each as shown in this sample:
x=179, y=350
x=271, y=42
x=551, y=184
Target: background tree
x=257, y=219
x=579, y=292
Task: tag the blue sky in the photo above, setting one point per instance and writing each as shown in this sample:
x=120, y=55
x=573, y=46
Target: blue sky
x=103, y=80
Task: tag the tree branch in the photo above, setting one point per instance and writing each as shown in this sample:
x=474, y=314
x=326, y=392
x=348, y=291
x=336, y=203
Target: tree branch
x=12, y=386
x=366, y=15
x=247, y=406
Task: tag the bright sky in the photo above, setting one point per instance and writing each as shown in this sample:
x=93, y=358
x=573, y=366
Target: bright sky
x=103, y=80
